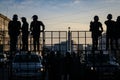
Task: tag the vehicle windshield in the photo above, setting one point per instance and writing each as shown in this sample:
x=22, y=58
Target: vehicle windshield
x=26, y=58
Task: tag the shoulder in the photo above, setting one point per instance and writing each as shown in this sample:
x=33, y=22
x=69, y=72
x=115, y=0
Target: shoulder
x=27, y=23
x=100, y=23
x=32, y=22
x=18, y=22
x=10, y=21
x=106, y=22
x=40, y=22
x=113, y=21
x=91, y=22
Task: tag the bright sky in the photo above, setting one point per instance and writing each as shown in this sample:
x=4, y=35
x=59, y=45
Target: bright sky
x=61, y=14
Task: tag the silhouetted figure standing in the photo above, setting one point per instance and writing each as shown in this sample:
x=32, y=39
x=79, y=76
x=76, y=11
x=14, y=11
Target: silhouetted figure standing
x=51, y=66
x=25, y=33
x=58, y=66
x=35, y=28
x=96, y=29
x=67, y=66
x=14, y=27
x=110, y=31
x=117, y=36
x=75, y=71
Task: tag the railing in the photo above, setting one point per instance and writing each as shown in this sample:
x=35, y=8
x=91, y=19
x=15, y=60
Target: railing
x=51, y=39
x=62, y=41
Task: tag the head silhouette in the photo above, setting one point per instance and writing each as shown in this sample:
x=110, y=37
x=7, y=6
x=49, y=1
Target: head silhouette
x=35, y=17
x=67, y=53
x=23, y=19
x=96, y=18
x=15, y=17
x=109, y=17
x=118, y=18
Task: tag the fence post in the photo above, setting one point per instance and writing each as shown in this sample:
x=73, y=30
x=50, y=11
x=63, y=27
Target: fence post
x=69, y=40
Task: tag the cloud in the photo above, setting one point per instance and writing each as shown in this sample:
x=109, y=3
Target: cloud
x=110, y=1
x=76, y=1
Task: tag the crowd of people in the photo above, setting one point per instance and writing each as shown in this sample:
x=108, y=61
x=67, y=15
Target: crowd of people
x=15, y=28
x=112, y=32
x=60, y=67
x=36, y=27
x=63, y=66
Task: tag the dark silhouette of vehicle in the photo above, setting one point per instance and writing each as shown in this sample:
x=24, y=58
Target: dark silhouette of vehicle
x=102, y=65
x=26, y=64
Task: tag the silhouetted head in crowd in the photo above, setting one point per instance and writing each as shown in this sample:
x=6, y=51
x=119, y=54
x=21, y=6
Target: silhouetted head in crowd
x=118, y=18
x=67, y=53
x=15, y=17
x=109, y=17
x=35, y=17
x=96, y=18
x=52, y=53
x=23, y=19
x=58, y=53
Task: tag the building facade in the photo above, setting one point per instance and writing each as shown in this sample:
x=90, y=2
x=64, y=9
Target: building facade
x=4, y=40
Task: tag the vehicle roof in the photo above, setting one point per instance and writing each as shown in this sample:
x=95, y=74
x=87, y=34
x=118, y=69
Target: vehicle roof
x=24, y=57
x=26, y=53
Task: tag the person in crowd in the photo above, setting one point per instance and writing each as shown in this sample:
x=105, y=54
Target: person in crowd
x=96, y=29
x=110, y=31
x=58, y=66
x=51, y=66
x=36, y=27
x=117, y=36
x=75, y=71
x=67, y=66
x=14, y=27
x=25, y=33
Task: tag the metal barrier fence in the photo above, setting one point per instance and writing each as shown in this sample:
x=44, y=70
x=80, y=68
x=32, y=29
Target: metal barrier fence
x=58, y=41
x=62, y=41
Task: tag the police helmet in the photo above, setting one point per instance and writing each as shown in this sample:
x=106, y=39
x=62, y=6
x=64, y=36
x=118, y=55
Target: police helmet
x=35, y=17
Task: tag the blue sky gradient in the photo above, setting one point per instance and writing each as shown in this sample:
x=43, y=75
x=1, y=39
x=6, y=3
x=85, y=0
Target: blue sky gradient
x=61, y=14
